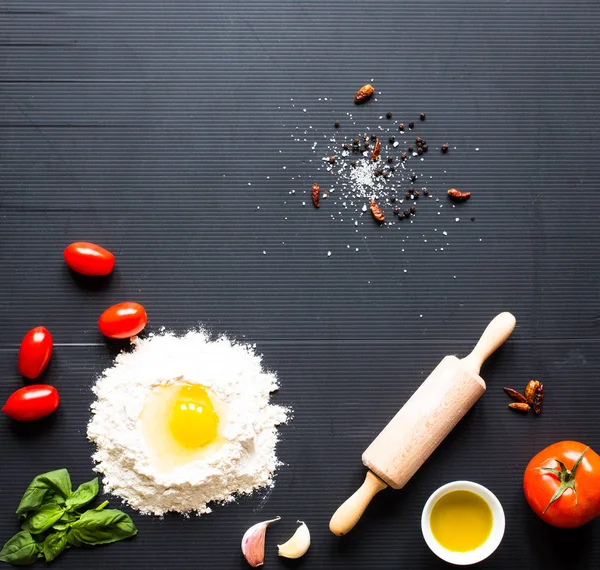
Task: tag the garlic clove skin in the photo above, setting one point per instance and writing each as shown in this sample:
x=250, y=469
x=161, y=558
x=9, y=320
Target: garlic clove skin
x=253, y=543
x=298, y=545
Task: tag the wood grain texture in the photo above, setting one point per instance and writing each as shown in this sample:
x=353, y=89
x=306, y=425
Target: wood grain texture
x=430, y=414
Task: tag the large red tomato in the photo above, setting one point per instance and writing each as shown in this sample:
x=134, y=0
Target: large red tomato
x=89, y=259
x=32, y=402
x=562, y=484
x=35, y=352
x=122, y=320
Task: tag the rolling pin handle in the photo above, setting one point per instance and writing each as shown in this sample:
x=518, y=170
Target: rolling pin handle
x=349, y=513
x=495, y=334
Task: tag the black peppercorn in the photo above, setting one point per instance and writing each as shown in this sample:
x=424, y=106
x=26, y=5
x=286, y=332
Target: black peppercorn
x=373, y=137
x=332, y=159
x=392, y=139
x=401, y=127
x=367, y=145
x=389, y=115
x=377, y=172
x=345, y=146
x=420, y=150
x=406, y=214
x=424, y=147
x=411, y=149
x=337, y=124
x=411, y=125
x=355, y=141
x=422, y=116
x=390, y=159
x=416, y=194
x=411, y=189
x=407, y=195
x=413, y=209
x=403, y=156
x=445, y=148
x=396, y=210
x=425, y=191
x=419, y=141
x=392, y=169
x=393, y=198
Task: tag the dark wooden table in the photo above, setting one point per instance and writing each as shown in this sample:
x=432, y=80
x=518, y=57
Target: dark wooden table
x=139, y=125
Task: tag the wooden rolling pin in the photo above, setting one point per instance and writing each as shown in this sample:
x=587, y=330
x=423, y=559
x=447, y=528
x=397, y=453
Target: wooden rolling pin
x=423, y=422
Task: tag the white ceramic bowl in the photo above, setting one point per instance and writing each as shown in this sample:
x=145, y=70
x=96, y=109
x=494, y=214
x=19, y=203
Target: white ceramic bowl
x=483, y=551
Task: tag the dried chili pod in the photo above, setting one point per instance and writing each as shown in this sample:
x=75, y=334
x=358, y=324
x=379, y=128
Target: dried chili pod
x=457, y=195
x=530, y=389
x=364, y=93
x=376, y=150
x=519, y=406
x=538, y=398
x=316, y=195
x=376, y=211
x=516, y=395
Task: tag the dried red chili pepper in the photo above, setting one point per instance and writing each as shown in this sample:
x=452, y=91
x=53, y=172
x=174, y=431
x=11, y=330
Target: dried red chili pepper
x=457, y=195
x=316, y=194
x=376, y=211
x=376, y=150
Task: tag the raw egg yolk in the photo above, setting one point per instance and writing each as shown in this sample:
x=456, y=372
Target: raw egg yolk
x=193, y=421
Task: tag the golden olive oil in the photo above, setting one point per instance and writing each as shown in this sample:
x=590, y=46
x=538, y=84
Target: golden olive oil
x=461, y=521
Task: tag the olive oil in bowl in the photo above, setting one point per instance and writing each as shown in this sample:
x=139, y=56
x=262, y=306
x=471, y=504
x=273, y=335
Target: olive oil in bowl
x=461, y=521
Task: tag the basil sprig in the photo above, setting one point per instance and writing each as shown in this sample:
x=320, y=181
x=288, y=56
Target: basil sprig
x=52, y=521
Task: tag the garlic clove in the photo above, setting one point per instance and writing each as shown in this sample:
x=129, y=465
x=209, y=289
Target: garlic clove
x=253, y=543
x=296, y=546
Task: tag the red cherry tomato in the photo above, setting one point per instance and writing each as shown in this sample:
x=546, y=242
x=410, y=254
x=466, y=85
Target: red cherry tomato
x=122, y=320
x=89, y=259
x=32, y=402
x=35, y=352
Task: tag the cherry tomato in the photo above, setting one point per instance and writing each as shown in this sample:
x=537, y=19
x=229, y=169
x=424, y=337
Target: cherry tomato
x=122, y=320
x=89, y=259
x=35, y=352
x=32, y=402
x=562, y=484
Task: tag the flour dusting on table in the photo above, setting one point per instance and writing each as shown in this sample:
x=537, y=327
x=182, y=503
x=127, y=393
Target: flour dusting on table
x=246, y=459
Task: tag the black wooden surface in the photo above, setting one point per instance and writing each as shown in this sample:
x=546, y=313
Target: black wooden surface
x=139, y=125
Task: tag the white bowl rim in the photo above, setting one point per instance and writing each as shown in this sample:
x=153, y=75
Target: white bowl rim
x=481, y=552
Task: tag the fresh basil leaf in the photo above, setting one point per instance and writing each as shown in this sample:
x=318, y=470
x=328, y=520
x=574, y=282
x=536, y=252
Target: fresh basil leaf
x=54, y=545
x=73, y=540
x=42, y=519
x=60, y=526
x=54, y=486
x=21, y=550
x=83, y=495
x=101, y=527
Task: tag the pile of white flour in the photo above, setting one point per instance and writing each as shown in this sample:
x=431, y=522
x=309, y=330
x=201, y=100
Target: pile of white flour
x=246, y=461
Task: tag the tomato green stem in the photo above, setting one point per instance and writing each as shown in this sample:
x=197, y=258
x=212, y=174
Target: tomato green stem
x=566, y=478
